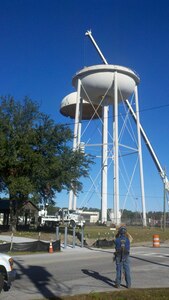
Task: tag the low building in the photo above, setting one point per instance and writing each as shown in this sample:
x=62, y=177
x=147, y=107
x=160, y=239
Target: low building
x=90, y=216
x=28, y=213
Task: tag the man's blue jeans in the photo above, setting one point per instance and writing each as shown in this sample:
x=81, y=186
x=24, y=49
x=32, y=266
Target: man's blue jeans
x=123, y=265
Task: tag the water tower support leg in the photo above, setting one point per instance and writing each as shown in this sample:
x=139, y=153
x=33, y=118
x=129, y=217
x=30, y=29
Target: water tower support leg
x=70, y=206
x=105, y=110
x=116, y=154
x=76, y=139
x=140, y=158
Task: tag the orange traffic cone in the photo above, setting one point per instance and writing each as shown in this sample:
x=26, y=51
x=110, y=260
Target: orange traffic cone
x=50, y=247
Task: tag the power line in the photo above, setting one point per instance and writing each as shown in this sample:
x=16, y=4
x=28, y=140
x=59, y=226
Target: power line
x=129, y=195
x=154, y=107
x=140, y=111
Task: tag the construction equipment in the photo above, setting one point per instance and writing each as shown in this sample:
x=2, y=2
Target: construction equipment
x=63, y=217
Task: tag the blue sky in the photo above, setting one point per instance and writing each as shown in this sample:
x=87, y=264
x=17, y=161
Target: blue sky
x=43, y=45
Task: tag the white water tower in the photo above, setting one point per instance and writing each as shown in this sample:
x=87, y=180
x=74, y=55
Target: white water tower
x=107, y=85
x=103, y=87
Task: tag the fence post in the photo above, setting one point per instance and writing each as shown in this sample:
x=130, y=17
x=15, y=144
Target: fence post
x=57, y=233
x=82, y=237
x=74, y=236
x=65, y=238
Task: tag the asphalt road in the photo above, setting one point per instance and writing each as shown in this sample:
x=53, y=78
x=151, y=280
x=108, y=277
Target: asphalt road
x=81, y=270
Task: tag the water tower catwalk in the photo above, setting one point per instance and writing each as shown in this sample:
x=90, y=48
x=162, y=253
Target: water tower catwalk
x=101, y=88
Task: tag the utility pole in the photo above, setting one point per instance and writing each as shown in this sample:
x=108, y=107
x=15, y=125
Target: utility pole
x=164, y=208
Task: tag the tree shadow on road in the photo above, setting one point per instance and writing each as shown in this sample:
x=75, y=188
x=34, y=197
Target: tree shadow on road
x=98, y=276
x=42, y=280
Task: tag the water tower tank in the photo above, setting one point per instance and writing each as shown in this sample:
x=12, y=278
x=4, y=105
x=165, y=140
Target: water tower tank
x=98, y=81
x=68, y=108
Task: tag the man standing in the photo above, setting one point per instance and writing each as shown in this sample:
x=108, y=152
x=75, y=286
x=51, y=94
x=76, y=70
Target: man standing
x=122, y=247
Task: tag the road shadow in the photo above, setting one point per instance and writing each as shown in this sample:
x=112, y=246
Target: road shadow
x=41, y=279
x=98, y=276
x=150, y=261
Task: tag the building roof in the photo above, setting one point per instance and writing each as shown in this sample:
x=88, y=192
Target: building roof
x=28, y=205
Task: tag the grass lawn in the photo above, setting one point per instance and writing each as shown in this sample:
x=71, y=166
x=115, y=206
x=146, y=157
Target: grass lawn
x=139, y=234
x=133, y=294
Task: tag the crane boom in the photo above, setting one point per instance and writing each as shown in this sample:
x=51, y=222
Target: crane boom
x=89, y=33
x=147, y=142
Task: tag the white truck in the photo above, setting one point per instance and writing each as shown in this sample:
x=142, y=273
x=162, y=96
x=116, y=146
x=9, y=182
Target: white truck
x=63, y=217
x=7, y=272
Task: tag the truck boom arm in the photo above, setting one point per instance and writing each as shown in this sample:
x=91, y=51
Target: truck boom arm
x=147, y=142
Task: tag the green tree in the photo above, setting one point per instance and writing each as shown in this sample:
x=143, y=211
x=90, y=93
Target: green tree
x=35, y=159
